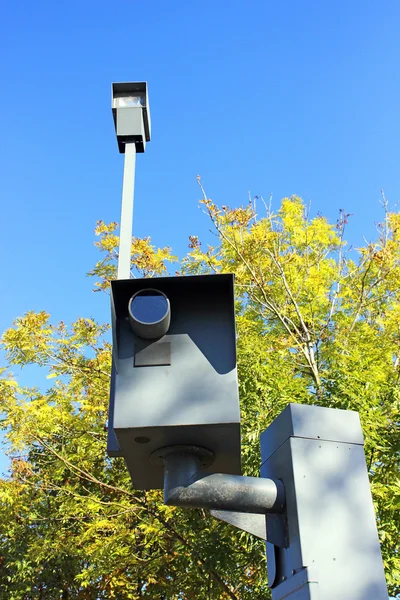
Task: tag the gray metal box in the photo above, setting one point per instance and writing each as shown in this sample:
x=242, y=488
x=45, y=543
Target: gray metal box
x=333, y=548
x=182, y=388
x=132, y=123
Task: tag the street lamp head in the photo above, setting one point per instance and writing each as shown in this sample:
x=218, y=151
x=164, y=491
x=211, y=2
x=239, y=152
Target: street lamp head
x=130, y=108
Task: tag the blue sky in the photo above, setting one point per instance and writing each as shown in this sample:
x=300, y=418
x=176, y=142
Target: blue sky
x=281, y=98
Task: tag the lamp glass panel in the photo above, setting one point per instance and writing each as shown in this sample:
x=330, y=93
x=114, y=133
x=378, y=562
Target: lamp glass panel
x=129, y=101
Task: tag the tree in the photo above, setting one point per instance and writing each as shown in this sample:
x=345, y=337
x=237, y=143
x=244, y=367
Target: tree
x=317, y=323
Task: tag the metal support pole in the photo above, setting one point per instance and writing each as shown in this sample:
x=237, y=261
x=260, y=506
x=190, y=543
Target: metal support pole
x=333, y=550
x=125, y=235
x=185, y=485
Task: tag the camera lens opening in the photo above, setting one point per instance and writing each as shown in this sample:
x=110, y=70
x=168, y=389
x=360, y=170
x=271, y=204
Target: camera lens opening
x=149, y=313
x=149, y=306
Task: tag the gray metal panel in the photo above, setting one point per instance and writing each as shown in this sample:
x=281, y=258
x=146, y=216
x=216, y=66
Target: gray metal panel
x=113, y=448
x=146, y=116
x=198, y=393
x=200, y=386
x=250, y=522
x=130, y=121
x=153, y=355
x=313, y=422
x=114, y=333
x=222, y=439
x=271, y=527
x=330, y=515
x=280, y=466
x=190, y=391
x=184, y=286
x=303, y=585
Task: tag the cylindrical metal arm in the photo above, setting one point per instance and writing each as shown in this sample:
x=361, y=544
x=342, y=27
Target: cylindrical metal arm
x=184, y=485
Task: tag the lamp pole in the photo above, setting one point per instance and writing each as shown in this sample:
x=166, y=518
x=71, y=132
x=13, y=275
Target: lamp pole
x=131, y=113
x=125, y=228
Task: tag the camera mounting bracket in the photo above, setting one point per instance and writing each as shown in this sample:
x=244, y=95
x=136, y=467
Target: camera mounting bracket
x=241, y=501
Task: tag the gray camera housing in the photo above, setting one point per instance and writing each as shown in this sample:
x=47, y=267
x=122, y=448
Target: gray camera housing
x=178, y=389
x=132, y=124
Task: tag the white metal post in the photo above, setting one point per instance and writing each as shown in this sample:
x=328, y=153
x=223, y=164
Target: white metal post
x=125, y=229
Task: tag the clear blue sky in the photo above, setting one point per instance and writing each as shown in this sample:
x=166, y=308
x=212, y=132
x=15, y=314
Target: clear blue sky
x=290, y=97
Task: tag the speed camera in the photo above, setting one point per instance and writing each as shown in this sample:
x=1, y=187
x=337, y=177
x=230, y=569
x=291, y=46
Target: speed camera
x=174, y=373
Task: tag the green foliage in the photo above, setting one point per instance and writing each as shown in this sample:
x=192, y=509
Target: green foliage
x=316, y=324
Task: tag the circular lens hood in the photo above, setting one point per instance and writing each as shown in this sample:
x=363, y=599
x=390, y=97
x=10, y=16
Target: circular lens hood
x=149, y=313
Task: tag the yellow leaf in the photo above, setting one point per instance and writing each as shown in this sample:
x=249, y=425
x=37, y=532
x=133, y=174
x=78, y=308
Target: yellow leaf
x=10, y=382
